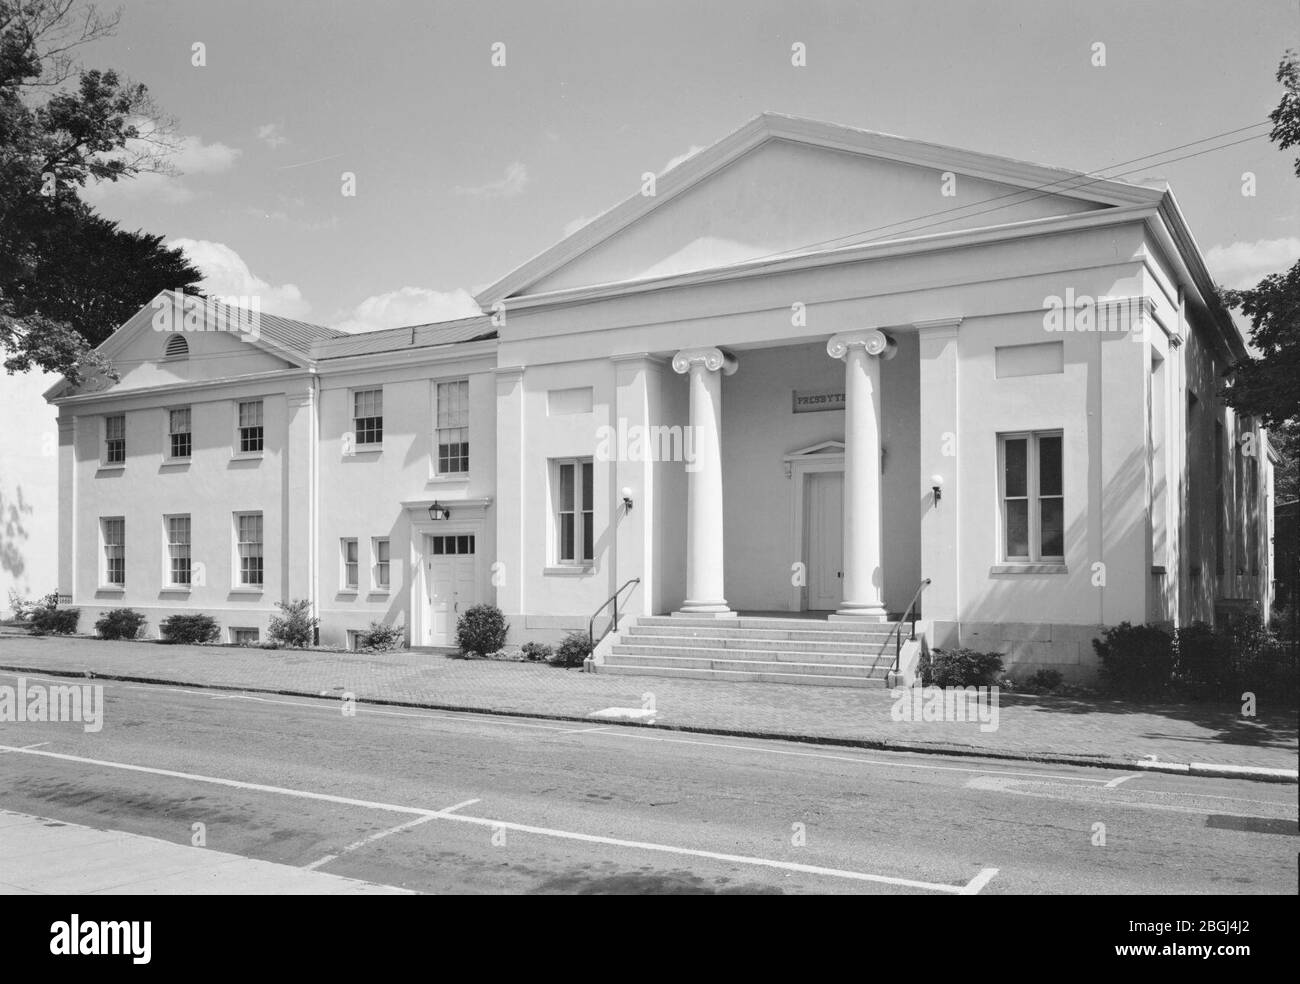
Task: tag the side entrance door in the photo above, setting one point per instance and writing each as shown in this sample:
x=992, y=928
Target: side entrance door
x=825, y=539
x=452, y=583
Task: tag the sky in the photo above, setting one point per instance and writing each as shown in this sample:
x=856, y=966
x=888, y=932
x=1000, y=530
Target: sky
x=464, y=169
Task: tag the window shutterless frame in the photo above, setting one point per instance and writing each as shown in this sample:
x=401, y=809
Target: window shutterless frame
x=574, y=512
x=381, y=569
x=451, y=427
x=248, y=550
x=114, y=440
x=1031, y=499
x=178, y=564
x=348, y=578
x=112, y=534
x=249, y=430
x=180, y=437
x=368, y=417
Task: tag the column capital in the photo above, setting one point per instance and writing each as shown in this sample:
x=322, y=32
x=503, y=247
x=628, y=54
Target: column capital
x=872, y=341
x=712, y=359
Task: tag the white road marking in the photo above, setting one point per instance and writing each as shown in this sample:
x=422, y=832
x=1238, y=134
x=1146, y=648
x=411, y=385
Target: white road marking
x=974, y=886
x=1115, y=782
x=458, y=806
x=368, y=840
x=582, y=731
x=970, y=888
x=39, y=744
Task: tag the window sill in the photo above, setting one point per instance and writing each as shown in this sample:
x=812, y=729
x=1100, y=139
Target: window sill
x=347, y=592
x=247, y=589
x=379, y=593
x=111, y=589
x=569, y=570
x=459, y=478
x=1028, y=568
x=176, y=589
x=246, y=456
x=363, y=449
x=177, y=463
x=104, y=469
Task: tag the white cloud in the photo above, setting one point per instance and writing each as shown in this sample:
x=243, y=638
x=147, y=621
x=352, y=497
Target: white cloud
x=272, y=135
x=682, y=158
x=191, y=156
x=225, y=274
x=513, y=183
x=408, y=306
x=1241, y=265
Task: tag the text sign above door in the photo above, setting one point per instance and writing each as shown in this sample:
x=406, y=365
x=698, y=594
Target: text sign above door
x=815, y=401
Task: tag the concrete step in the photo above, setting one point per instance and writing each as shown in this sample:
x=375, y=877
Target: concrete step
x=659, y=660
x=633, y=647
x=720, y=631
x=743, y=676
x=763, y=622
x=856, y=647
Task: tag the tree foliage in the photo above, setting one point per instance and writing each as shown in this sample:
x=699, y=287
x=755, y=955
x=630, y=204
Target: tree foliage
x=68, y=277
x=1267, y=385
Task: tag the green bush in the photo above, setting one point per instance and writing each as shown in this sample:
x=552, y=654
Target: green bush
x=538, y=652
x=295, y=626
x=1202, y=662
x=1136, y=660
x=191, y=629
x=1042, y=681
x=54, y=621
x=381, y=638
x=572, y=650
x=959, y=668
x=120, y=623
x=481, y=630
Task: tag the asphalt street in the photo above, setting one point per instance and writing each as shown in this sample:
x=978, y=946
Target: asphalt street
x=449, y=802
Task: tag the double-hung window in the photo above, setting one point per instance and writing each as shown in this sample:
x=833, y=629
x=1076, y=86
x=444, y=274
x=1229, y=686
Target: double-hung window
x=453, y=427
x=1032, y=497
x=380, y=550
x=349, y=553
x=574, y=501
x=115, y=440
x=180, y=443
x=250, y=426
x=368, y=417
x=248, y=549
x=178, y=551
x=113, y=532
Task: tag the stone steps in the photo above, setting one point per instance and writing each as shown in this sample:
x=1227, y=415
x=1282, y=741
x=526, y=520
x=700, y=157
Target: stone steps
x=755, y=649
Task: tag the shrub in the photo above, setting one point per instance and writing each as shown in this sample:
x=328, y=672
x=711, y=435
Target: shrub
x=54, y=621
x=192, y=629
x=120, y=623
x=1042, y=681
x=1136, y=660
x=481, y=630
x=295, y=626
x=538, y=652
x=381, y=638
x=572, y=650
x=960, y=668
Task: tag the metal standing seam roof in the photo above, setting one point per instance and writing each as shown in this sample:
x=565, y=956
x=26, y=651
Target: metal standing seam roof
x=297, y=336
x=343, y=344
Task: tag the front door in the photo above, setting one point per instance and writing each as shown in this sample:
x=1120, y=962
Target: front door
x=825, y=539
x=452, y=584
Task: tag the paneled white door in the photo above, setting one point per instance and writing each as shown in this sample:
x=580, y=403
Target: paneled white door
x=825, y=539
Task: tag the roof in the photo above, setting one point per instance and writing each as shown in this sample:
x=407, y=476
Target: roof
x=433, y=335
x=776, y=126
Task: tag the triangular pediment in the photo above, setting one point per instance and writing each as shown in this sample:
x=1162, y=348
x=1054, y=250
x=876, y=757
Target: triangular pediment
x=783, y=186
x=825, y=448
x=219, y=342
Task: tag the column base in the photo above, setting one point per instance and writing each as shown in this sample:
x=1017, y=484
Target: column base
x=704, y=609
x=860, y=613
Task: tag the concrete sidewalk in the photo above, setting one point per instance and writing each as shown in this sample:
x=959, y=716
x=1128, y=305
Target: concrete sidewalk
x=1067, y=729
x=49, y=857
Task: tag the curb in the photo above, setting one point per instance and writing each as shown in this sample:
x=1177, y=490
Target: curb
x=1201, y=769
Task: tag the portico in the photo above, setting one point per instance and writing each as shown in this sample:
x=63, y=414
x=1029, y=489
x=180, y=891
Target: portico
x=858, y=461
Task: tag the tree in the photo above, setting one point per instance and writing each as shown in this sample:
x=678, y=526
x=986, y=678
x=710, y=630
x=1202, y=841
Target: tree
x=1267, y=386
x=68, y=276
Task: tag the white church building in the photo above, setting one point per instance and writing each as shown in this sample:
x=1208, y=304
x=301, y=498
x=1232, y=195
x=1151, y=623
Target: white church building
x=797, y=383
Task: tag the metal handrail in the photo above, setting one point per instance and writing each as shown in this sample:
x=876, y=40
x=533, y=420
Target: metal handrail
x=613, y=624
x=896, y=634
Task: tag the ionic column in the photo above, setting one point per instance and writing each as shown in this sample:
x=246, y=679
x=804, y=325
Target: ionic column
x=864, y=581
x=704, y=547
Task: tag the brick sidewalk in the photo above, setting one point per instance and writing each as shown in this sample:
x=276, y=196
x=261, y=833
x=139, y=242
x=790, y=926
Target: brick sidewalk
x=1029, y=727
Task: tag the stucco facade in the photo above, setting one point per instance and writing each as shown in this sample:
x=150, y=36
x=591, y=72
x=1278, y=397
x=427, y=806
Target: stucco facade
x=796, y=376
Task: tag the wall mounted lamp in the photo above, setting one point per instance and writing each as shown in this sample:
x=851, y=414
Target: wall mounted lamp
x=936, y=486
x=627, y=498
x=438, y=511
